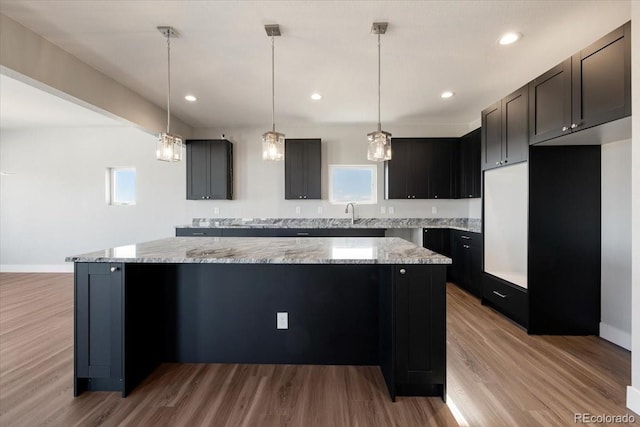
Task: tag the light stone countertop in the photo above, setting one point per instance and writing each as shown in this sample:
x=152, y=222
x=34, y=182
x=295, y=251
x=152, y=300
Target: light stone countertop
x=268, y=250
x=464, y=224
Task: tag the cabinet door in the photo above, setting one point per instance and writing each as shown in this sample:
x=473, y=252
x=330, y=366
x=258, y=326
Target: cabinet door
x=219, y=170
x=294, y=169
x=198, y=177
x=98, y=325
x=550, y=103
x=469, y=173
x=313, y=167
x=515, y=126
x=420, y=326
x=439, y=164
x=397, y=170
x=601, y=76
x=437, y=240
x=491, y=136
x=418, y=183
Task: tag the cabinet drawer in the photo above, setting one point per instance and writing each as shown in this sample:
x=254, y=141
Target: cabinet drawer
x=507, y=298
x=355, y=232
x=199, y=232
x=300, y=232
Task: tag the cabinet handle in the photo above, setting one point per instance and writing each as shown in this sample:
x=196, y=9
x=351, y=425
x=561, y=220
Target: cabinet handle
x=304, y=197
x=466, y=246
x=498, y=163
x=203, y=197
x=565, y=128
x=403, y=271
x=114, y=269
x=413, y=197
x=436, y=197
x=465, y=237
x=574, y=125
x=470, y=195
x=299, y=197
x=499, y=294
x=197, y=234
x=408, y=197
x=302, y=234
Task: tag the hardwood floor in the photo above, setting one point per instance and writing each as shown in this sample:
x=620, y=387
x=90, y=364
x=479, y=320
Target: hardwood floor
x=497, y=375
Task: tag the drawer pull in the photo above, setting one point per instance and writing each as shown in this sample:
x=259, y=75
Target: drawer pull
x=403, y=271
x=302, y=234
x=197, y=234
x=114, y=269
x=499, y=294
x=465, y=237
x=466, y=246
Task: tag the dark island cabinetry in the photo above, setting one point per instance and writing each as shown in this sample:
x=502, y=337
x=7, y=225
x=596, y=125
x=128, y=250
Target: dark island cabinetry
x=420, y=337
x=505, y=131
x=590, y=88
x=302, y=169
x=209, y=169
x=466, y=253
x=98, y=327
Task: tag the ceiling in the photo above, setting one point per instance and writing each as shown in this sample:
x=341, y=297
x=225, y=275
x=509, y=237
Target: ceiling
x=223, y=53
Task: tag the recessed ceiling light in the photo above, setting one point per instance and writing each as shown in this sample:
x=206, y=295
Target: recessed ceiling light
x=190, y=98
x=316, y=96
x=446, y=94
x=509, y=38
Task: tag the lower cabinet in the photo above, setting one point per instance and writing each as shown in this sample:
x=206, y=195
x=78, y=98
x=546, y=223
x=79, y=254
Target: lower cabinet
x=437, y=240
x=466, y=253
x=507, y=298
x=420, y=366
x=98, y=323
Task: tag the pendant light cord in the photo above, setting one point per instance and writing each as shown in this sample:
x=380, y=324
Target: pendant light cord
x=379, y=125
x=273, y=85
x=168, y=79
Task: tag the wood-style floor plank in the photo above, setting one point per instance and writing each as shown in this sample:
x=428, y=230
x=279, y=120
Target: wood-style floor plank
x=497, y=376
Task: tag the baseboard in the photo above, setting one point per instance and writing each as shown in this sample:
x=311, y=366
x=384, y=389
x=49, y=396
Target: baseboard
x=36, y=268
x=615, y=335
x=633, y=399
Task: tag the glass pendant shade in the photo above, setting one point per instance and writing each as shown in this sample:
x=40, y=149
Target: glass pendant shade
x=379, y=146
x=273, y=146
x=169, y=147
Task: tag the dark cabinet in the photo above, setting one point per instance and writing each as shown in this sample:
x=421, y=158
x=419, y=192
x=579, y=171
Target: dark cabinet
x=281, y=232
x=466, y=255
x=98, y=325
x=209, y=169
x=505, y=130
x=590, y=88
x=302, y=169
x=469, y=172
x=200, y=232
x=420, y=366
x=437, y=240
x=420, y=168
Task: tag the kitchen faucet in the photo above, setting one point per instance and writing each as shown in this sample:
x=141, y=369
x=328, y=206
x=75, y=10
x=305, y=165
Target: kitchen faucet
x=353, y=211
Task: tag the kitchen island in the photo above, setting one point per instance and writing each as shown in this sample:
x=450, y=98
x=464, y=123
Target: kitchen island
x=355, y=301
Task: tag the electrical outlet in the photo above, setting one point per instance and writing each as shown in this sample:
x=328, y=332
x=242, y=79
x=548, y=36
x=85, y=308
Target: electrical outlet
x=282, y=320
x=434, y=209
x=216, y=211
x=298, y=210
x=383, y=210
x=392, y=210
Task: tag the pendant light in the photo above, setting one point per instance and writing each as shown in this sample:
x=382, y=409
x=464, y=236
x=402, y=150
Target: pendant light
x=272, y=141
x=379, y=146
x=169, y=146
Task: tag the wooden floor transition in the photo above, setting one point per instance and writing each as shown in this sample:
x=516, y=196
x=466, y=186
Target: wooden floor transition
x=497, y=376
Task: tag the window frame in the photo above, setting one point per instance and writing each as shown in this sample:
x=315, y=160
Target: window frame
x=373, y=200
x=111, y=180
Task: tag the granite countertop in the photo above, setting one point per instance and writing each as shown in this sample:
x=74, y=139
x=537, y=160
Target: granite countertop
x=464, y=224
x=269, y=250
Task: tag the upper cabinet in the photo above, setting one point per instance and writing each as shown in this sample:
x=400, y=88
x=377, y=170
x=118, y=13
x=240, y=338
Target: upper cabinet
x=209, y=169
x=505, y=131
x=590, y=88
x=302, y=169
x=420, y=168
x=469, y=174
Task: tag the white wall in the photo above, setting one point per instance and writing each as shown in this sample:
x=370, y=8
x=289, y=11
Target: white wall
x=615, y=323
x=54, y=206
x=259, y=185
x=633, y=392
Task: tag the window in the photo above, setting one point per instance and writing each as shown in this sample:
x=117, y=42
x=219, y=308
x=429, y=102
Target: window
x=353, y=184
x=121, y=186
